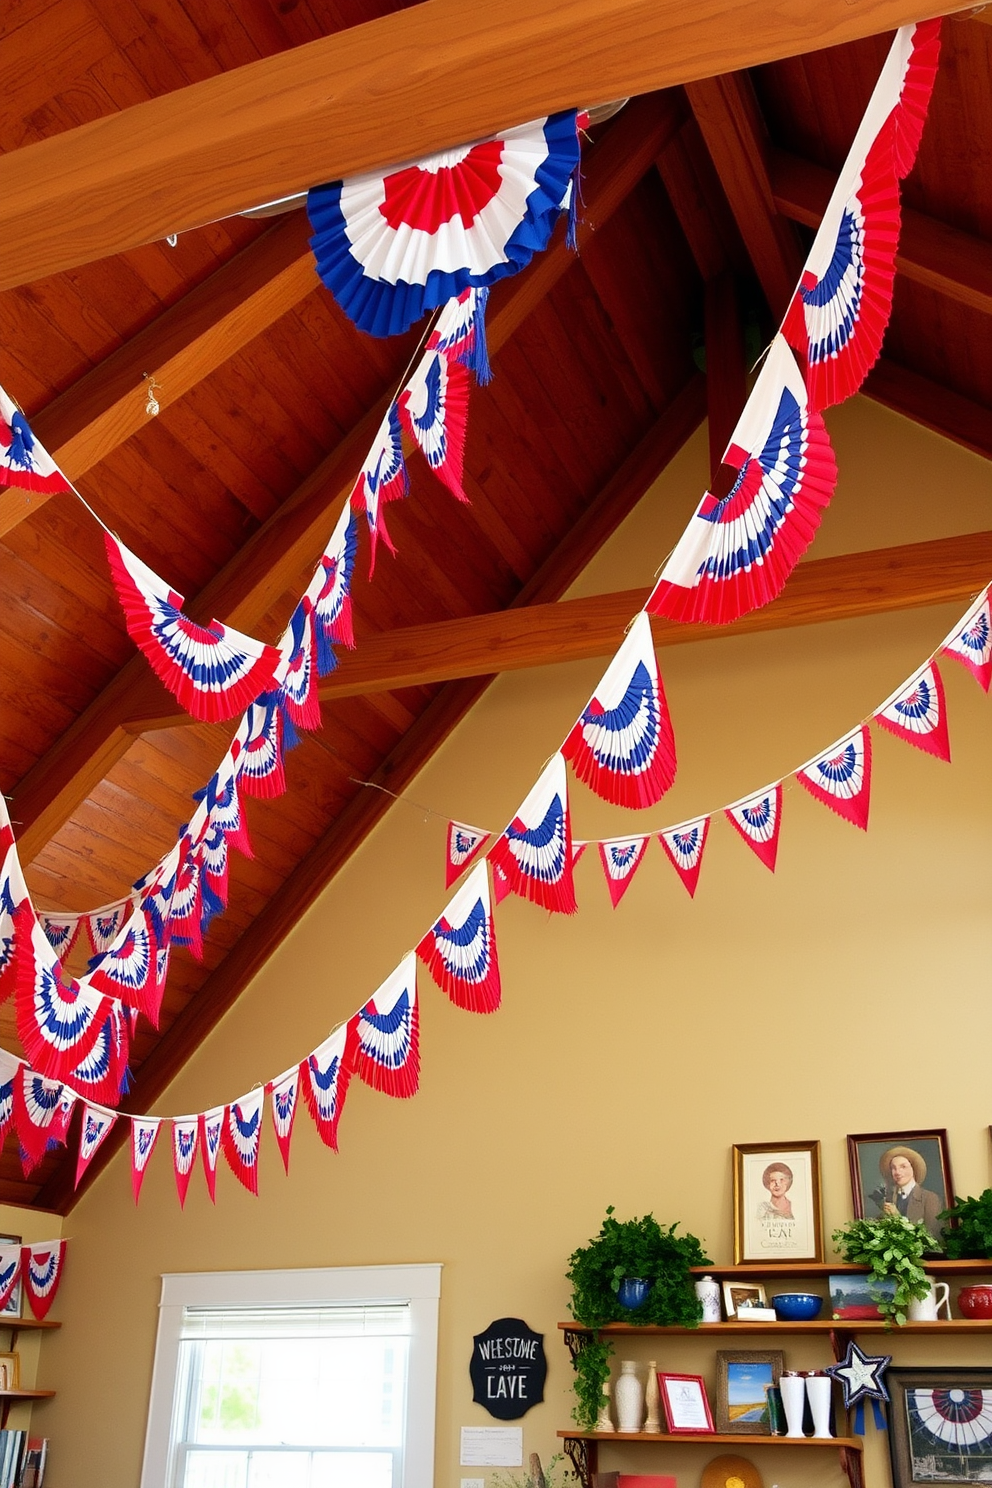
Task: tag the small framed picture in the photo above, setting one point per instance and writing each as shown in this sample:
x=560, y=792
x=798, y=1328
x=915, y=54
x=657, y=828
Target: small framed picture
x=901, y=1173
x=940, y=1426
x=687, y=1408
x=12, y=1306
x=737, y=1294
x=744, y=1377
x=10, y=1372
x=777, y=1209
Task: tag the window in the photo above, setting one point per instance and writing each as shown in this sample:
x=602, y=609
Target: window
x=295, y=1379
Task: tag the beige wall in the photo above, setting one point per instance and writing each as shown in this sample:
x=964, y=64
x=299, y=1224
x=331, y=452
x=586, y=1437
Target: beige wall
x=849, y=992
x=31, y=1226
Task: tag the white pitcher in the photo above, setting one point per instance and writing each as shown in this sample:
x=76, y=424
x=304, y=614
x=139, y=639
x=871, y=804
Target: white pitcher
x=927, y=1309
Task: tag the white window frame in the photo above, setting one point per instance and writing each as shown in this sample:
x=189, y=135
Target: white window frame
x=418, y=1285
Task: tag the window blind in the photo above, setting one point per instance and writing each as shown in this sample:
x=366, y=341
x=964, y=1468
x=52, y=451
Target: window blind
x=371, y=1320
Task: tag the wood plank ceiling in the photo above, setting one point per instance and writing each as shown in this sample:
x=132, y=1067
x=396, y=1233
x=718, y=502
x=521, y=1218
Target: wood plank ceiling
x=697, y=202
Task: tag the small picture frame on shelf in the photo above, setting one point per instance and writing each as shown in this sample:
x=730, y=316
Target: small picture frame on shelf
x=12, y=1306
x=687, y=1407
x=744, y=1377
x=901, y=1173
x=746, y=1294
x=777, y=1207
x=940, y=1426
x=10, y=1372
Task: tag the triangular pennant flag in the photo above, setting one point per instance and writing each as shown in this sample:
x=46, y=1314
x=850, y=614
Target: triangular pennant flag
x=212, y=671
x=382, y=478
x=535, y=851
x=242, y=1136
x=918, y=713
x=737, y=551
x=296, y=674
x=95, y=1128
x=41, y=1266
x=42, y=1112
x=464, y=843
x=185, y=1140
x=10, y=1270
x=578, y=848
x=103, y=925
x=10, y=1068
x=622, y=745
x=324, y=1078
x=684, y=847
x=211, y=1125
x=260, y=757
x=758, y=820
x=621, y=858
x=971, y=641
x=61, y=931
x=284, y=1095
x=144, y=1135
x=330, y=591
x=434, y=410
x=387, y=1045
x=24, y=462
x=841, y=778
x=501, y=884
x=459, y=950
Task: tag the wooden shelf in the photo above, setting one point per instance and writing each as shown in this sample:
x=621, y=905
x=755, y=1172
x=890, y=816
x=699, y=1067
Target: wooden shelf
x=22, y=1324
x=853, y=1443
x=815, y=1325
x=831, y=1268
x=11, y=1395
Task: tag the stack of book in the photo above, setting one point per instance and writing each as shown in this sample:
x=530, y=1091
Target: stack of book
x=33, y=1466
x=22, y=1460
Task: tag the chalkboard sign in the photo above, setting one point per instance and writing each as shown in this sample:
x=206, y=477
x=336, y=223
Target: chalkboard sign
x=508, y=1368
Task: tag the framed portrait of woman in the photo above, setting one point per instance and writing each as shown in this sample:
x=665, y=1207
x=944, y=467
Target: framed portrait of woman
x=777, y=1209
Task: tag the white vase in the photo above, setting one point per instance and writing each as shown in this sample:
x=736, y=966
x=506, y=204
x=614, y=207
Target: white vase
x=628, y=1396
x=708, y=1292
x=793, y=1388
x=652, y=1399
x=603, y=1421
x=818, y=1390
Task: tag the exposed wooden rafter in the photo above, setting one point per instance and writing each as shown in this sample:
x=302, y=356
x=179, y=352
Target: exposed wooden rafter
x=265, y=568
x=423, y=79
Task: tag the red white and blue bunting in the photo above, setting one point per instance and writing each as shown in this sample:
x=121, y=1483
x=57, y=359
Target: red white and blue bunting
x=534, y=853
x=758, y=819
x=42, y=1264
x=918, y=713
x=324, y=1077
x=185, y=1141
x=459, y=950
x=210, y=1135
x=144, y=1135
x=387, y=1038
x=97, y=1125
x=621, y=858
x=684, y=846
x=241, y=1137
x=284, y=1094
x=24, y=461
x=841, y=778
x=971, y=642
x=464, y=844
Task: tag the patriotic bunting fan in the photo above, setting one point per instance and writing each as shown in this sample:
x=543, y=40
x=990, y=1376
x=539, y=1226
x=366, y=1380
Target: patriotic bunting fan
x=914, y=57
x=434, y=410
x=103, y=925
x=758, y=820
x=96, y=1127
x=330, y=591
x=459, y=950
x=684, y=846
x=841, y=778
x=623, y=745
x=382, y=478
x=128, y=968
x=918, y=713
x=59, y=1024
x=13, y=894
x=42, y=1112
x=284, y=1094
x=61, y=931
x=296, y=674
x=213, y=672
x=144, y=1135
x=211, y=1124
x=621, y=859
x=534, y=854
x=387, y=1044
x=185, y=1140
x=461, y=330
x=390, y=247
x=10, y=1069
x=260, y=765
x=23, y=461
x=101, y=1073
x=41, y=1267
x=736, y=553
x=971, y=642
x=463, y=844
x=10, y=1270
x=242, y=1136
x=325, y=1076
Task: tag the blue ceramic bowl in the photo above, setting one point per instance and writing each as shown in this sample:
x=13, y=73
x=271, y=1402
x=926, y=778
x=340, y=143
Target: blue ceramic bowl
x=633, y=1292
x=797, y=1307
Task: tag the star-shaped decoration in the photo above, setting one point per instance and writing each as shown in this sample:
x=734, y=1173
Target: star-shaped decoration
x=861, y=1375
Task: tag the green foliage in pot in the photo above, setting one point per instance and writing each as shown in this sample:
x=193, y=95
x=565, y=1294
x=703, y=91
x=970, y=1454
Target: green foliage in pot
x=555, y=1475
x=969, y=1235
x=892, y=1248
x=592, y=1370
x=636, y=1248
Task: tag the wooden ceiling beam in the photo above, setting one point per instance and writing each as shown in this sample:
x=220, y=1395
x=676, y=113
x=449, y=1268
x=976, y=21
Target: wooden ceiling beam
x=178, y=349
x=726, y=366
x=309, y=879
x=271, y=561
x=423, y=79
x=931, y=404
x=954, y=263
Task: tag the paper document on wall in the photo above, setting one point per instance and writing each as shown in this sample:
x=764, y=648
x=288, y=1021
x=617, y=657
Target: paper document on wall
x=492, y=1446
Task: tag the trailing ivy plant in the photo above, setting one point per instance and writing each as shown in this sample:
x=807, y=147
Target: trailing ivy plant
x=969, y=1236
x=892, y=1248
x=636, y=1248
x=592, y=1370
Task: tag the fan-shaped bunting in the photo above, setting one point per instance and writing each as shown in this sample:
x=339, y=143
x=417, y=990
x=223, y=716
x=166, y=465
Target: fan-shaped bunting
x=434, y=410
x=971, y=642
x=58, y=1023
x=214, y=672
x=13, y=894
x=260, y=760
x=913, y=60
x=387, y=1044
x=918, y=713
x=758, y=820
x=10, y=1270
x=41, y=1267
x=242, y=1136
x=392, y=246
x=463, y=843
x=684, y=846
x=737, y=552
x=42, y=1112
x=841, y=778
x=144, y=1135
x=621, y=857
x=296, y=674
x=284, y=1095
x=461, y=330
x=324, y=1079
x=101, y=1072
x=23, y=461
x=10, y=1068
x=96, y=1126
x=459, y=950
x=622, y=745
x=534, y=854
x=128, y=969
x=382, y=478
x=330, y=591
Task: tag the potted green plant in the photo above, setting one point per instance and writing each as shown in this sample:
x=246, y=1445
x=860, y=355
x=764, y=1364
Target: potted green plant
x=892, y=1248
x=555, y=1475
x=968, y=1228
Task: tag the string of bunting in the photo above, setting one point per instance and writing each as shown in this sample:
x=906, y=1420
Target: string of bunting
x=39, y=1266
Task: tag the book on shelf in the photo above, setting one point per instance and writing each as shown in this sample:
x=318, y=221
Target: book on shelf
x=33, y=1469
x=12, y=1444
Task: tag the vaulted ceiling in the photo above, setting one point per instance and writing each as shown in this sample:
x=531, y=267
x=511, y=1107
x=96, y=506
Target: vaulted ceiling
x=697, y=202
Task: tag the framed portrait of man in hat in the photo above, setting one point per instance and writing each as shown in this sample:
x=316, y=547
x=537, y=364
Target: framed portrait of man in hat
x=901, y=1173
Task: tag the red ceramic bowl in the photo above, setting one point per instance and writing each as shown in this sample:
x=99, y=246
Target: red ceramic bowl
x=975, y=1301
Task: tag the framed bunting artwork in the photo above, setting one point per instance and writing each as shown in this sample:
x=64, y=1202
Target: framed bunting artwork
x=940, y=1426
x=777, y=1207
